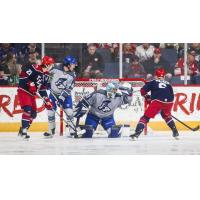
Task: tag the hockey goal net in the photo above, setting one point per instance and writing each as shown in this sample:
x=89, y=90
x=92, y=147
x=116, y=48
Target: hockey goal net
x=126, y=115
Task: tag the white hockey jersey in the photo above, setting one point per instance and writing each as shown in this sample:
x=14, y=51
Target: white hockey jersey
x=61, y=80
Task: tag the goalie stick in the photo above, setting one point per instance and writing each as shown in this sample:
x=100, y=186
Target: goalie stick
x=192, y=129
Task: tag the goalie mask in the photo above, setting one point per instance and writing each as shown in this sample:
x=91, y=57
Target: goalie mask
x=111, y=89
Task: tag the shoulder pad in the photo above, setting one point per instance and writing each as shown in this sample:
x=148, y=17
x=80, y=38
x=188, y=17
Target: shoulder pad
x=101, y=91
x=72, y=74
x=37, y=68
x=58, y=67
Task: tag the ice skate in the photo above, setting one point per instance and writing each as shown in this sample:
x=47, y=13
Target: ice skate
x=175, y=134
x=23, y=135
x=134, y=136
x=49, y=134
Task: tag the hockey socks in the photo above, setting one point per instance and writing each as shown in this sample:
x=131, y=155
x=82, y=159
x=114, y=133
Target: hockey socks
x=26, y=118
x=140, y=126
x=172, y=126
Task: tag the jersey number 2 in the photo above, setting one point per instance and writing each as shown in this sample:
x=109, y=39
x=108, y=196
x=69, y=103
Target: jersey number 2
x=162, y=85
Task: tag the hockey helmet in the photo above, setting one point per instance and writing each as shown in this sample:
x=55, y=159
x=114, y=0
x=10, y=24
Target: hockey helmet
x=68, y=60
x=160, y=72
x=47, y=60
x=111, y=89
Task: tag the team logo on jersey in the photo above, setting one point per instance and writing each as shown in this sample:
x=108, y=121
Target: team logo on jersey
x=104, y=106
x=60, y=83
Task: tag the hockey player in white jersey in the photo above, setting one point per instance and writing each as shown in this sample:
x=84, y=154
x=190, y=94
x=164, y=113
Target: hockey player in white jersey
x=61, y=85
x=102, y=105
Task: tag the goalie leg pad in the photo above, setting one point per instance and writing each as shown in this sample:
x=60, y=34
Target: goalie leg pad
x=92, y=120
x=115, y=131
x=108, y=122
x=89, y=131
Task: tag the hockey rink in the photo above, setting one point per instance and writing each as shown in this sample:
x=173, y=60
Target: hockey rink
x=156, y=143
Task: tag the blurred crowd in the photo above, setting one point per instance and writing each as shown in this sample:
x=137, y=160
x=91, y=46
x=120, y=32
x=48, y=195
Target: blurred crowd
x=13, y=56
x=140, y=61
x=101, y=60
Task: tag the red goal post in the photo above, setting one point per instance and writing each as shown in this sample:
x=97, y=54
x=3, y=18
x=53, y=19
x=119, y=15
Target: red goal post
x=126, y=115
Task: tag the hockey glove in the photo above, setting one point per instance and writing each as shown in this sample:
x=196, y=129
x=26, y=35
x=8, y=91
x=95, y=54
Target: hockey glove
x=147, y=98
x=32, y=87
x=62, y=97
x=78, y=113
x=48, y=103
x=61, y=100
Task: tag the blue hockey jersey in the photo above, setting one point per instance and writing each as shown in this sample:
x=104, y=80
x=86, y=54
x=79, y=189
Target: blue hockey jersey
x=34, y=73
x=161, y=90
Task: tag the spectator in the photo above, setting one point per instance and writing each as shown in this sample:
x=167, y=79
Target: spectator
x=108, y=51
x=27, y=51
x=92, y=63
x=11, y=69
x=3, y=77
x=155, y=62
x=114, y=50
x=136, y=70
x=196, y=48
x=4, y=50
x=128, y=52
x=144, y=52
x=192, y=64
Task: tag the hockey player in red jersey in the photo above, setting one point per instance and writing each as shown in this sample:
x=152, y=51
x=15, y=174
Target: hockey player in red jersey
x=33, y=79
x=160, y=101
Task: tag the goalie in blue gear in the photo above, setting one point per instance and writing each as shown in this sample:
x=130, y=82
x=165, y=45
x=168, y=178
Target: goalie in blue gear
x=102, y=105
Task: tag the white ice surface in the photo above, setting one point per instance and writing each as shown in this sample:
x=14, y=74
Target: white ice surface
x=156, y=143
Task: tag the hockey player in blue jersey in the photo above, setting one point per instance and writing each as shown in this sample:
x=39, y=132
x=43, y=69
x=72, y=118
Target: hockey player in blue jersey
x=61, y=84
x=102, y=105
x=160, y=101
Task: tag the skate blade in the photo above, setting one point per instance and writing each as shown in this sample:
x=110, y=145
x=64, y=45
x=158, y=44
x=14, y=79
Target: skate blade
x=176, y=138
x=133, y=138
x=48, y=137
x=24, y=138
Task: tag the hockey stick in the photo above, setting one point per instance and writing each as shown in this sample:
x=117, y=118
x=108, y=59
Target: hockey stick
x=74, y=129
x=192, y=129
x=73, y=126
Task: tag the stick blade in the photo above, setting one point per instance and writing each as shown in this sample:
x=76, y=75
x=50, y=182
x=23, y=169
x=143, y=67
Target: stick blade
x=196, y=128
